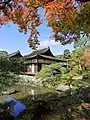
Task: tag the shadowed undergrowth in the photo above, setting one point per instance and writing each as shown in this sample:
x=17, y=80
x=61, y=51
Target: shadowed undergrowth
x=52, y=106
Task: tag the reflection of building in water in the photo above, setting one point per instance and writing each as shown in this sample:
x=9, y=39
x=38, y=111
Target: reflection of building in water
x=33, y=94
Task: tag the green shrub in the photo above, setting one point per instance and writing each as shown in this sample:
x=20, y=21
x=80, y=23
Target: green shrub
x=64, y=70
x=50, y=74
x=86, y=76
x=49, y=71
x=11, y=65
x=7, y=79
x=8, y=68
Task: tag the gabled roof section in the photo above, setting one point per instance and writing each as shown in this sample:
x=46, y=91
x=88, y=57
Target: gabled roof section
x=44, y=57
x=41, y=51
x=15, y=54
x=52, y=58
x=45, y=51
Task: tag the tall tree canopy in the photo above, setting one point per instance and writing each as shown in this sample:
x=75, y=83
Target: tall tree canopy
x=63, y=16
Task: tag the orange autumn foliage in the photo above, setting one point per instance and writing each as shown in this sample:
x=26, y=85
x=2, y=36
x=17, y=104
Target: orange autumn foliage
x=25, y=14
x=85, y=59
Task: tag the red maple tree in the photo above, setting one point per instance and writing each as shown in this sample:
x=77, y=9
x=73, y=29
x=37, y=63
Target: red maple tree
x=25, y=14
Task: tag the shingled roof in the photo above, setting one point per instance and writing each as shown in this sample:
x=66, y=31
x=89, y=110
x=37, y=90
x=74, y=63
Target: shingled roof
x=42, y=57
x=17, y=53
x=44, y=51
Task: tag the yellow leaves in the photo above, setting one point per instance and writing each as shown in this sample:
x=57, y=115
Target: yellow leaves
x=29, y=4
x=37, y=2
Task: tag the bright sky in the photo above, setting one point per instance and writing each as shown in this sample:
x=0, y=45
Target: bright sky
x=12, y=40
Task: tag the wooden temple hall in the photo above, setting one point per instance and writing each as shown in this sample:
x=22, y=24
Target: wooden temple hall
x=33, y=62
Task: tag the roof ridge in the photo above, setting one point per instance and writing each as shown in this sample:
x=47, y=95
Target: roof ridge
x=40, y=49
x=13, y=53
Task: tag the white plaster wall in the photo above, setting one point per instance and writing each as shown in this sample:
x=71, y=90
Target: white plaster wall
x=33, y=68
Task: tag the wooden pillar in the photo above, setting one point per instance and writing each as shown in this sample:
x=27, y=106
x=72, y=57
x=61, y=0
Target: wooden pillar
x=24, y=69
x=37, y=65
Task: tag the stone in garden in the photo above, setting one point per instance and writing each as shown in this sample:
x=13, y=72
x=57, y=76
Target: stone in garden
x=62, y=87
x=10, y=91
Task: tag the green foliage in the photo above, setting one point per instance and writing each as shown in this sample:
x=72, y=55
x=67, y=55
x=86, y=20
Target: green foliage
x=64, y=70
x=50, y=74
x=66, y=53
x=77, y=53
x=76, y=71
x=86, y=75
x=60, y=57
x=50, y=71
x=7, y=79
x=16, y=65
x=3, y=54
x=11, y=65
x=83, y=18
x=4, y=64
x=82, y=42
x=74, y=60
x=8, y=69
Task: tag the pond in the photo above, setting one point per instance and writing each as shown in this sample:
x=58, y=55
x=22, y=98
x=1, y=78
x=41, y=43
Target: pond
x=35, y=108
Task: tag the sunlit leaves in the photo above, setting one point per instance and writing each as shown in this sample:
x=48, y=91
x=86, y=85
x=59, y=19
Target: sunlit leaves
x=25, y=15
x=61, y=16
x=85, y=59
x=83, y=19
